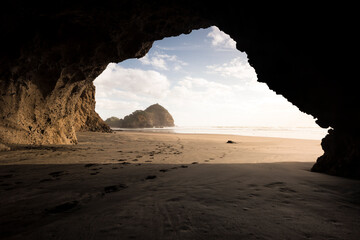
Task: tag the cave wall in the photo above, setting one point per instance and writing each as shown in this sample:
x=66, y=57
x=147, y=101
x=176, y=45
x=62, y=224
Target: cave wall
x=51, y=53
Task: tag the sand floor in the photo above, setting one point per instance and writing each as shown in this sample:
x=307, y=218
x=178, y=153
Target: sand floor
x=129, y=185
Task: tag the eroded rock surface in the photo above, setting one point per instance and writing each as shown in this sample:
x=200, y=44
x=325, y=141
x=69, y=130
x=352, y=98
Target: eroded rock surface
x=50, y=53
x=85, y=118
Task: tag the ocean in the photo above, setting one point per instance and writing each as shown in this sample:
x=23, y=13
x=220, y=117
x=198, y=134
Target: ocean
x=281, y=132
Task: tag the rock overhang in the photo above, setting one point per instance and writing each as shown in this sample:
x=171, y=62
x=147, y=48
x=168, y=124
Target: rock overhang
x=51, y=49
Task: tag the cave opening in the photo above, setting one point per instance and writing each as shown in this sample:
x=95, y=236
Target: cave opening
x=206, y=84
x=103, y=187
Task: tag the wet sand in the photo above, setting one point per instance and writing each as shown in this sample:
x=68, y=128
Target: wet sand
x=129, y=185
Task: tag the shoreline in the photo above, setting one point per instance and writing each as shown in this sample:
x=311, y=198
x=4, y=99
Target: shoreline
x=210, y=134
x=166, y=148
x=306, y=133
x=174, y=186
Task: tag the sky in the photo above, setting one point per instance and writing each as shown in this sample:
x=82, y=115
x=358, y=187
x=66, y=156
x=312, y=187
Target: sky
x=201, y=79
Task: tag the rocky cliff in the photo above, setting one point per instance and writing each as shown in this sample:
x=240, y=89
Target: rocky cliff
x=32, y=116
x=153, y=116
x=85, y=117
x=51, y=52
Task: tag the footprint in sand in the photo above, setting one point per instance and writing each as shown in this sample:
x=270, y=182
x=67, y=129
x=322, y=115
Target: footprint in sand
x=274, y=184
x=95, y=169
x=6, y=176
x=194, y=163
x=150, y=177
x=206, y=160
x=65, y=207
x=90, y=165
x=287, y=190
x=5, y=185
x=182, y=166
x=175, y=199
x=281, y=186
x=46, y=180
x=114, y=188
x=148, y=161
x=58, y=174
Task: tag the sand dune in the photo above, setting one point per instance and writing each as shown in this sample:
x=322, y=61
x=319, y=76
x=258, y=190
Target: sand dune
x=174, y=186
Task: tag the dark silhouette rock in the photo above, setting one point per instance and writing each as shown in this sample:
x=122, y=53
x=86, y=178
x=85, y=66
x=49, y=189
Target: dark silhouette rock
x=114, y=122
x=153, y=116
x=51, y=53
x=341, y=155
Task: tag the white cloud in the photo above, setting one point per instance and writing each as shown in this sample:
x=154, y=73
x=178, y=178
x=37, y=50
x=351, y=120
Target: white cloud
x=117, y=105
x=162, y=61
x=201, y=84
x=237, y=68
x=116, y=79
x=220, y=39
x=193, y=100
x=199, y=93
x=156, y=62
x=228, y=96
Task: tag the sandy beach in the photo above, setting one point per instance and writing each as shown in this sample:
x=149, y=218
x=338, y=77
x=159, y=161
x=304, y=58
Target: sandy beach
x=131, y=185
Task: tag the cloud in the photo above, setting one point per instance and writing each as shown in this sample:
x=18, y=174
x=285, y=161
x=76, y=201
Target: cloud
x=220, y=39
x=237, y=68
x=117, y=105
x=201, y=84
x=162, y=61
x=116, y=79
x=120, y=91
x=155, y=61
x=195, y=101
x=199, y=93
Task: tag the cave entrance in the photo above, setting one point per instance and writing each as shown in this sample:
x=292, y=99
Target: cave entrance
x=206, y=84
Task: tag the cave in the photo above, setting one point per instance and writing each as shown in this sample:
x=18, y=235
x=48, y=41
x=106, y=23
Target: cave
x=51, y=53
